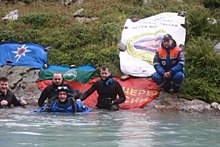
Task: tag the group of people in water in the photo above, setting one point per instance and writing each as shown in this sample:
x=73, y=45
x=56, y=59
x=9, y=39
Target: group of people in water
x=60, y=97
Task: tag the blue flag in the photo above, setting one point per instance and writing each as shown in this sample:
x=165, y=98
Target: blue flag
x=23, y=54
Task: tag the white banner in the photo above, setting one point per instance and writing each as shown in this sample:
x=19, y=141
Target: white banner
x=143, y=37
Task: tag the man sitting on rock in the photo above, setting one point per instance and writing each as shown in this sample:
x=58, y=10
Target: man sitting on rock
x=169, y=63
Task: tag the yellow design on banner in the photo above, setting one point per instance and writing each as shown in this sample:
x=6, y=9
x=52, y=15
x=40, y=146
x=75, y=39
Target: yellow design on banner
x=143, y=46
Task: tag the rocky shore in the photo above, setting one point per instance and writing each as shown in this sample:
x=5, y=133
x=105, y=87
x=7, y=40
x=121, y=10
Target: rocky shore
x=23, y=84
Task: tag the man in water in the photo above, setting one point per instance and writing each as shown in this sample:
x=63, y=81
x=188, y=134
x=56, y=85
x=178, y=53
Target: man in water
x=51, y=90
x=108, y=89
x=169, y=63
x=7, y=98
x=64, y=102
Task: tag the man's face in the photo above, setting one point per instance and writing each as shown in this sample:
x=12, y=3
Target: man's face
x=4, y=86
x=62, y=96
x=57, y=79
x=167, y=43
x=105, y=74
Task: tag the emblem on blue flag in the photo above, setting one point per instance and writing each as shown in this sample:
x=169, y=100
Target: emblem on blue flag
x=21, y=51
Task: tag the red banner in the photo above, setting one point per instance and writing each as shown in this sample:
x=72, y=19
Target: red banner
x=138, y=91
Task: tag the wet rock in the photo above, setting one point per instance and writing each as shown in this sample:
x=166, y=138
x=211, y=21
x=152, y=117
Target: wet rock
x=215, y=106
x=199, y=106
x=171, y=101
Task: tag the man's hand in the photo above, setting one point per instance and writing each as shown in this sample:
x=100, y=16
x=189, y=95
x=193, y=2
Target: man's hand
x=4, y=103
x=166, y=75
x=23, y=102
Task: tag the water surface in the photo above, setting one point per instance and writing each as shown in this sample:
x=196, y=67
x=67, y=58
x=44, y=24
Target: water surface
x=125, y=128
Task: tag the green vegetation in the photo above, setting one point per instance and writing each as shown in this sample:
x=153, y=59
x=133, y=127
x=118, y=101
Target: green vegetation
x=47, y=22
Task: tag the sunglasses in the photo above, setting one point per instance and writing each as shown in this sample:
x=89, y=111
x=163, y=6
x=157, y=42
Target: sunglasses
x=62, y=88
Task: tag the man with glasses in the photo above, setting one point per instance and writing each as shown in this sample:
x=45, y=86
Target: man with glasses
x=52, y=90
x=169, y=64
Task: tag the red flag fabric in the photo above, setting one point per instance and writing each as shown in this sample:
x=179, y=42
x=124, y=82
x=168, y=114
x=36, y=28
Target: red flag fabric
x=138, y=91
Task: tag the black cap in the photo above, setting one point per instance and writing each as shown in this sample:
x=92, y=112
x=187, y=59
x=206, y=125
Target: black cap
x=167, y=37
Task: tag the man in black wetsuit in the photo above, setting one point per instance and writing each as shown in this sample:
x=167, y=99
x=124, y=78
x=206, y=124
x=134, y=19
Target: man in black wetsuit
x=51, y=90
x=7, y=98
x=108, y=89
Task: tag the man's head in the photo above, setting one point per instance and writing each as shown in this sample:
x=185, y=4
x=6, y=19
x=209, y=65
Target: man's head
x=62, y=93
x=4, y=84
x=57, y=78
x=167, y=40
x=105, y=72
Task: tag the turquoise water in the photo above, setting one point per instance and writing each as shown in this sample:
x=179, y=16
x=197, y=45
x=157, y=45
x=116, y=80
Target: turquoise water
x=125, y=128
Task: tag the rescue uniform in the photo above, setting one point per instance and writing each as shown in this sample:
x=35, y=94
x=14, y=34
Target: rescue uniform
x=169, y=59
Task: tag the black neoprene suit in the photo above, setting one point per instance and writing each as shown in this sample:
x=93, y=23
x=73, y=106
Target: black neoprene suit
x=106, y=91
x=10, y=97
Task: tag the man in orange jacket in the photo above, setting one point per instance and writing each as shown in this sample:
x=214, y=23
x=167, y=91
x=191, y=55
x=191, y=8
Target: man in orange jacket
x=169, y=64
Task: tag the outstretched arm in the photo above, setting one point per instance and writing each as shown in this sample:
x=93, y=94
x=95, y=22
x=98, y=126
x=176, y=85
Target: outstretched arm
x=87, y=93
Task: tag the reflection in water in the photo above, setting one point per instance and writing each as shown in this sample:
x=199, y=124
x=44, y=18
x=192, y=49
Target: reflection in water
x=138, y=128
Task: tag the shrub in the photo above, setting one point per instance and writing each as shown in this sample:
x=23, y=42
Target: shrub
x=43, y=20
x=202, y=70
x=8, y=35
x=110, y=32
x=213, y=4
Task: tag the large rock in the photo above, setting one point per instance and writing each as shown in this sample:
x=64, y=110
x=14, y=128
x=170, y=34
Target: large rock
x=170, y=101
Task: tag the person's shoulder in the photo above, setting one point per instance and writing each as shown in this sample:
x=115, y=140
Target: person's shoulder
x=160, y=49
x=49, y=87
x=98, y=81
x=10, y=93
x=115, y=81
x=178, y=48
x=66, y=84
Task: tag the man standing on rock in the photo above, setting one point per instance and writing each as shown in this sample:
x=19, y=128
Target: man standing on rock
x=7, y=98
x=169, y=63
x=51, y=90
